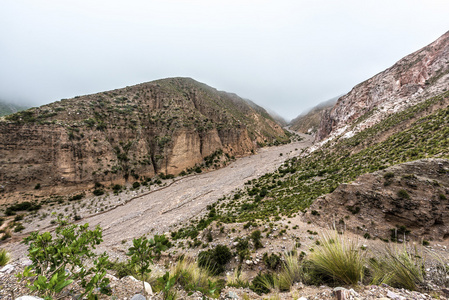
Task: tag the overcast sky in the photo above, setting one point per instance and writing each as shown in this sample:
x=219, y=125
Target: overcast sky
x=284, y=55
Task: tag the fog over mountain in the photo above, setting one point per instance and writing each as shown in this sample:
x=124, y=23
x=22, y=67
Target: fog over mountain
x=286, y=56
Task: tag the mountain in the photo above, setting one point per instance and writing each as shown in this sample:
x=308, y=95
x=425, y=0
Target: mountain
x=165, y=126
x=414, y=78
x=419, y=132
x=309, y=121
x=7, y=108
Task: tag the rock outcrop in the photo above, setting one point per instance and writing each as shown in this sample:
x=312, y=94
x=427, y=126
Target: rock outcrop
x=412, y=196
x=165, y=126
x=416, y=77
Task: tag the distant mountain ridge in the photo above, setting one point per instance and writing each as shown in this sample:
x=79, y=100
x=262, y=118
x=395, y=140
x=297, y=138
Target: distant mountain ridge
x=309, y=121
x=414, y=78
x=165, y=126
x=7, y=108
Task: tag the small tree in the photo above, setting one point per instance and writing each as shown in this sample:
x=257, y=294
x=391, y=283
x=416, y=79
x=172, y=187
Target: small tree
x=59, y=260
x=142, y=254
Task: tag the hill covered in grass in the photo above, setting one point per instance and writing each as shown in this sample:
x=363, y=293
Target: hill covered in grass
x=418, y=132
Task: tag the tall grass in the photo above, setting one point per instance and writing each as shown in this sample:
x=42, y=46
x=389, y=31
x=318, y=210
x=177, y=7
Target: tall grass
x=400, y=266
x=291, y=272
x=192, y=277
x=237, y=279
x=4, y=257
x=338, y=259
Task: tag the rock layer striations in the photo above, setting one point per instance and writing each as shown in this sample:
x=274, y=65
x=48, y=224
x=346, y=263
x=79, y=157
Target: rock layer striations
x=416, y=77
x=165, y=126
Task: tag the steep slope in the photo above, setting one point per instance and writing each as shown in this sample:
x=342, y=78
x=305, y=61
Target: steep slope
x=418, y=132
x=7, y=108
x=416, y=77
x=309, y=121
x=165, y=126
x=409, y=198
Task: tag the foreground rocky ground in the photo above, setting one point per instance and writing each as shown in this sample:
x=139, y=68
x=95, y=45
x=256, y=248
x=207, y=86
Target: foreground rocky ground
x=176, y=201
x=128, y=288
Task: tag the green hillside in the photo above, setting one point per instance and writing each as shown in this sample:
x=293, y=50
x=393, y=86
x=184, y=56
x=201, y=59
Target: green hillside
x=421, y=131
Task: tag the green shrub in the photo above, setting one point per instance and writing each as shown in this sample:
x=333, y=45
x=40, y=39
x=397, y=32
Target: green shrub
x=77, y=197
x=388, y=175
x=122, y=269
x=291, y=272
x=403, y=194
x=18, y=218
x=256, y=236
x=98, y=192
x=70, y=248
x=116, y=188
x=272, y=260
x=215, y=259
x=19, y=227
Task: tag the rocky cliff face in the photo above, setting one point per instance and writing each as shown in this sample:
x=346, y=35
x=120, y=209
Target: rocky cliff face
x=165, y=126
x=416, y=77
x=407, y=197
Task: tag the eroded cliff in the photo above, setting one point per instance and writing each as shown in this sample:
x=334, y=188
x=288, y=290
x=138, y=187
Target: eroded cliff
x=416, y=77
x=165, y=126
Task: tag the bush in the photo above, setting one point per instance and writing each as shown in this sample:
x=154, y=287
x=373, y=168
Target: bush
x=98, y=192
x=70, y=248
x=388, y=175
x=256, y=236
x=272, y=260
x=122, y=269
x=117, y=188
x=19, y=227
x=77, y=197
x=136, y=185
x=403, y=194
x=215, y=259
x=339, y=259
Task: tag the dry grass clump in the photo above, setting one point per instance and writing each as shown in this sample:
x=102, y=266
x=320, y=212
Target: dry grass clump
x=194, y=278
x=339, y=259
x=237, y=279
x=4, y=257
x=399, y=266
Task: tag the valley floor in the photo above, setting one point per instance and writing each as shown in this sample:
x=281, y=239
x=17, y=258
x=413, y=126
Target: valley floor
x=184, y=198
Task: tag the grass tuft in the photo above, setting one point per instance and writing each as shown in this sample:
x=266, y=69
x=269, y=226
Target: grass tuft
x=339, y=259
x=399, y=267
x=4, y=257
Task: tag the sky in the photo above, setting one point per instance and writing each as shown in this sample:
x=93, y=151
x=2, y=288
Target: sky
x=285, y=55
